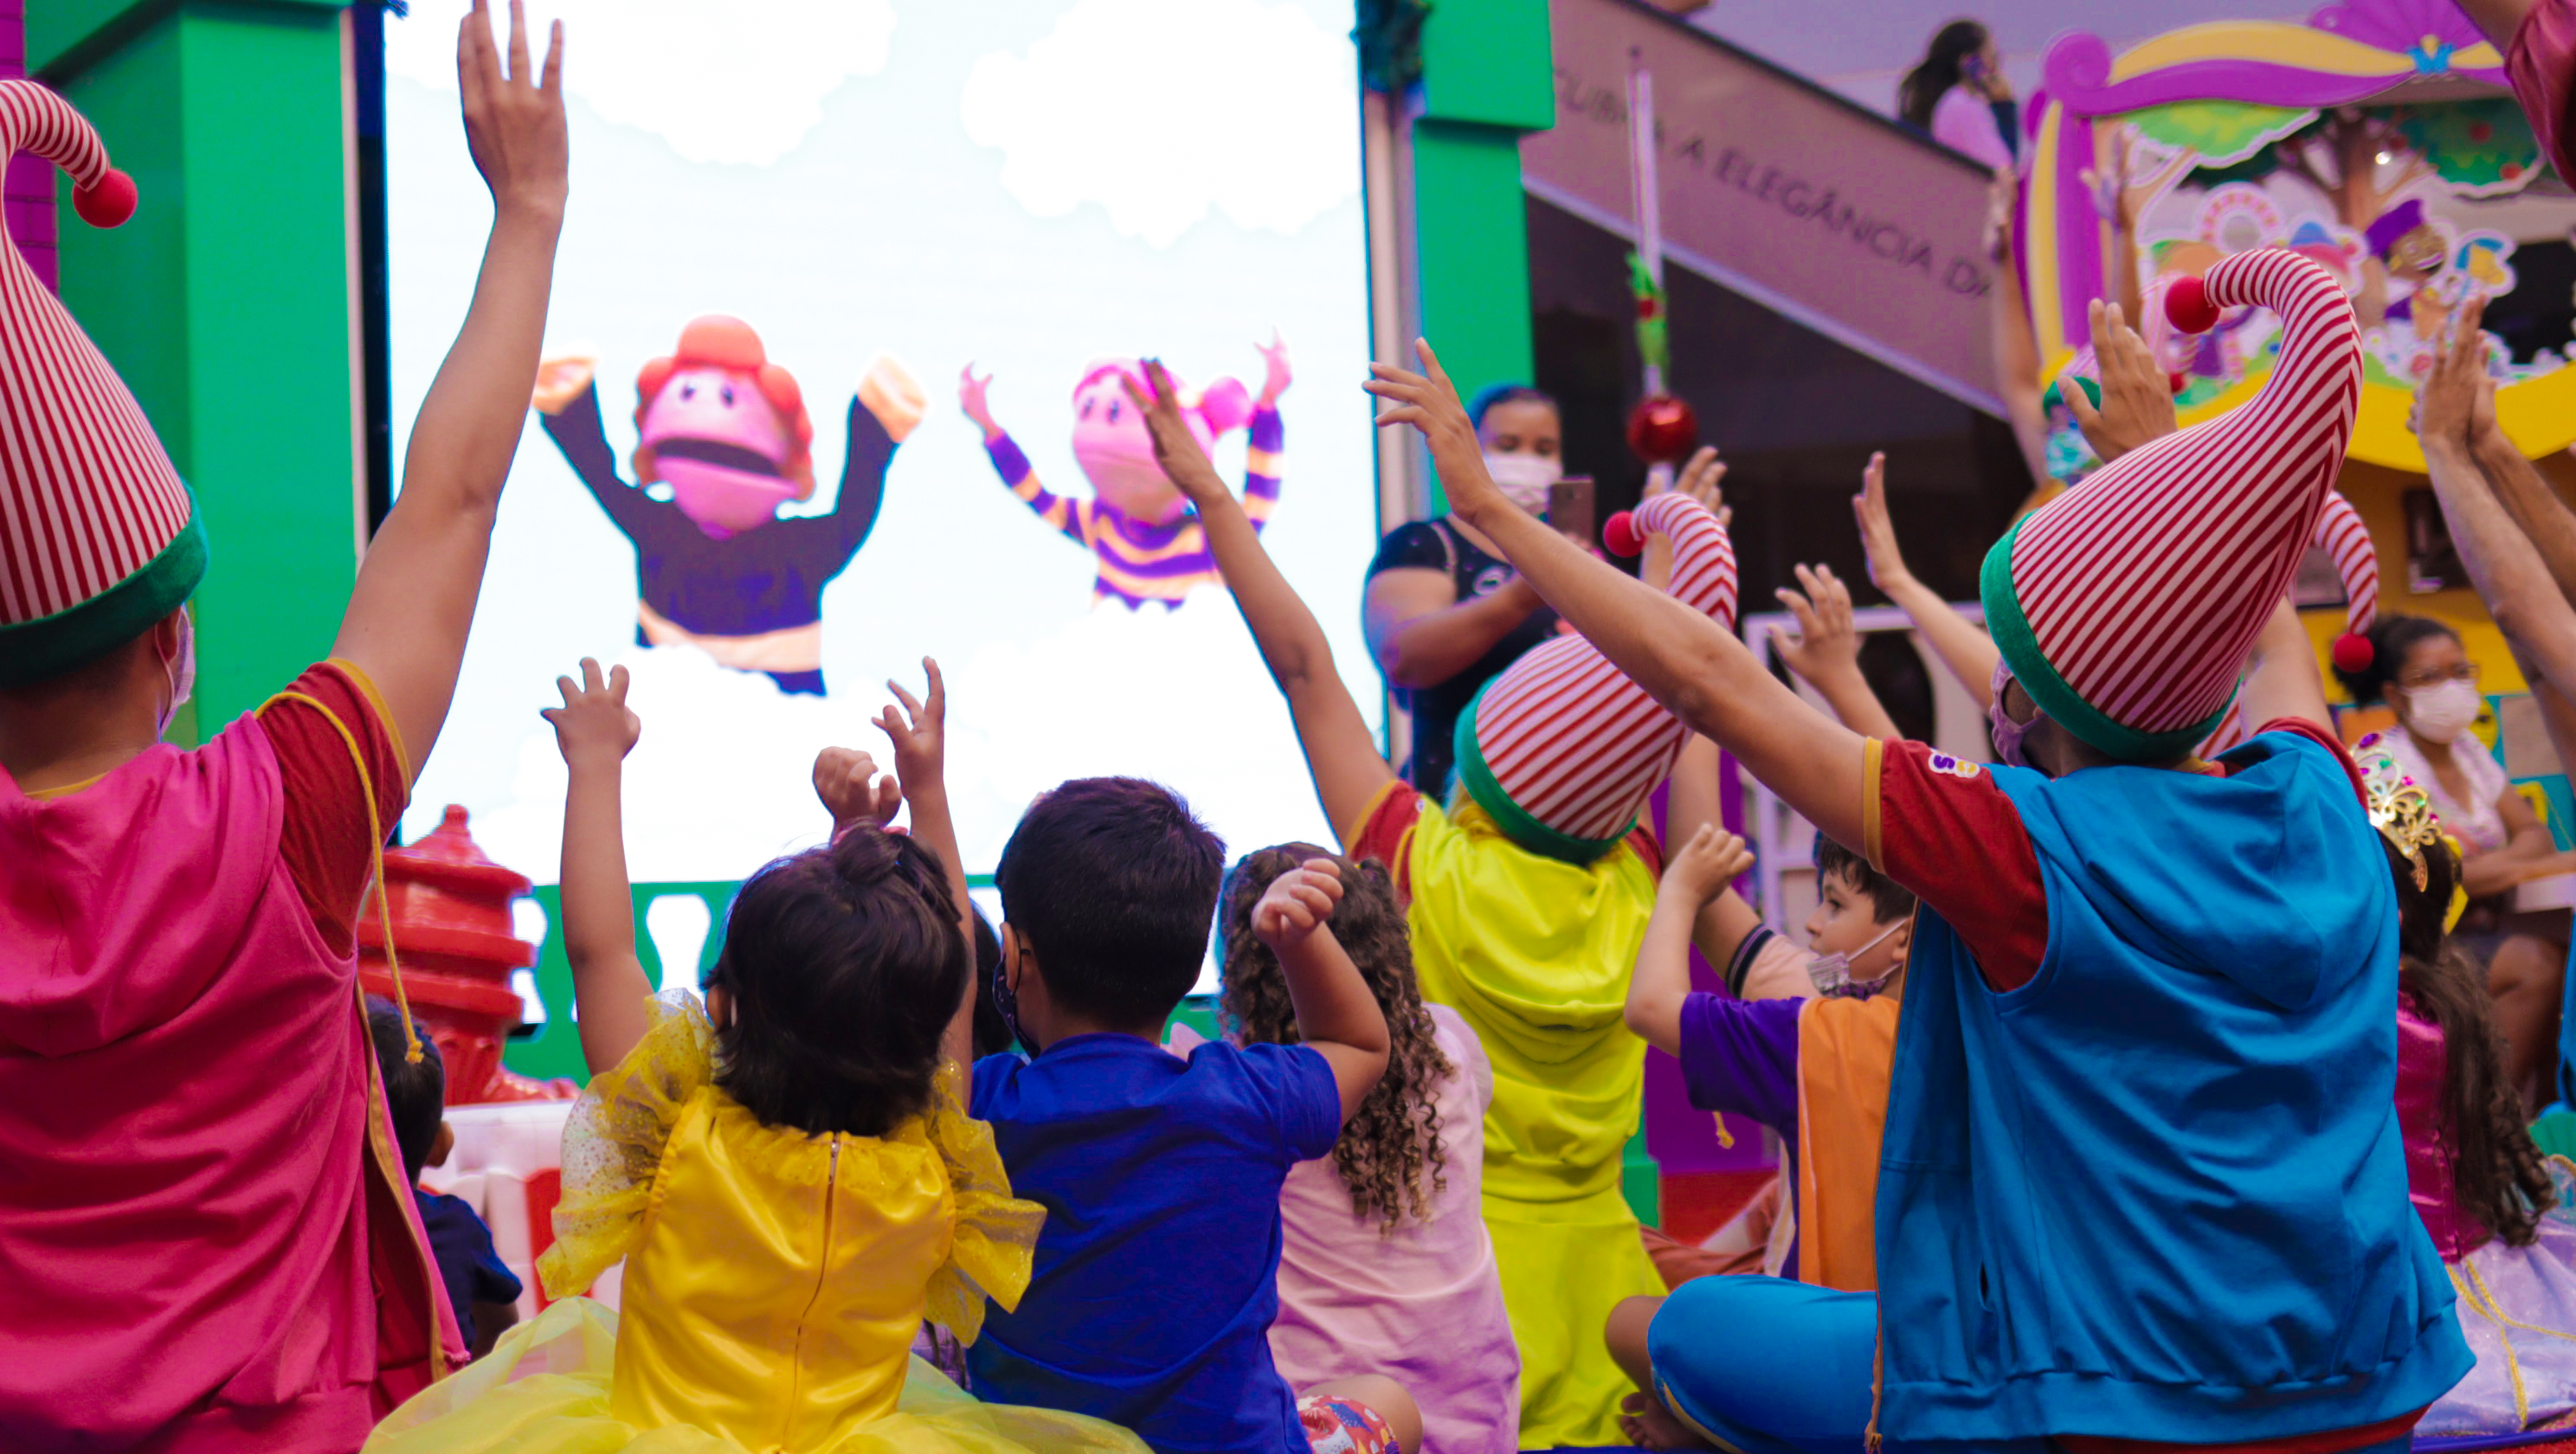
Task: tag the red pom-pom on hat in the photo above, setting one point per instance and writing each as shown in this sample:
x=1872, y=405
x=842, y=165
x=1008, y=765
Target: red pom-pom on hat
x=1621, y=535
x=2354, y=654
x=2188, y=308
x=108, y=203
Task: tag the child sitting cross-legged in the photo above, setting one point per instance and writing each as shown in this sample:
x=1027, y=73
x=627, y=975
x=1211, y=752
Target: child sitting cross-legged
x=1156, y=1278
x=787, y=1171
x=1385, y=1266
x=1814, y=1070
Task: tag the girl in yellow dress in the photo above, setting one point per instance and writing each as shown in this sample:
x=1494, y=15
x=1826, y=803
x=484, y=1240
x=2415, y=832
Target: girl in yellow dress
x=787, y=1171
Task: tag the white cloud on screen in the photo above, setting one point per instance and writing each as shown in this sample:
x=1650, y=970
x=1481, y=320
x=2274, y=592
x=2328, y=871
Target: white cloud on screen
x=711, y=80
x=1161, y=110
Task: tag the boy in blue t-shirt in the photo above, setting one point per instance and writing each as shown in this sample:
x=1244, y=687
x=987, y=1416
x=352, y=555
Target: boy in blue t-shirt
x=1156, y=1275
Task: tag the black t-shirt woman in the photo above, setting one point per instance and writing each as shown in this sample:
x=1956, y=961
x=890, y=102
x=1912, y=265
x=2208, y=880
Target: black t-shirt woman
x=1444, y=614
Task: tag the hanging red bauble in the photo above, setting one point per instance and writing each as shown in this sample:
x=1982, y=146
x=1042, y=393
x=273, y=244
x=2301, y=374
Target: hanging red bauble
x=1663, y=430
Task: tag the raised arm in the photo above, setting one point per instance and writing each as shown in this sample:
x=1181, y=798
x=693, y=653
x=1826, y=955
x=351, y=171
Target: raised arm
x=2501, y=560
x=2284, y=681
x=1696, y=878
x=2534, y=506
x=1340, y=753
x=414, y=601
x=1963, y=645
x=1337, y=1016
x=1695, y=802
x=2137, y=397
x=2017, y=360
x=1682, y=658
x=918, y=728
x=595, y=730
x=1826, y=652
x=1070, y=517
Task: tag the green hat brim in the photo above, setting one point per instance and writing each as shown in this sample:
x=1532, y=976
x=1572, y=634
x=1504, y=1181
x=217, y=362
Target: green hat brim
x=2010, y=628
x=45, y=648
x=1477, y=777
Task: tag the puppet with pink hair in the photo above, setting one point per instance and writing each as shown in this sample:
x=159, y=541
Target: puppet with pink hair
x=1147, y=542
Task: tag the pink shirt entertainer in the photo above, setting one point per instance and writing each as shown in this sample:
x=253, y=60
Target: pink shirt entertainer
x=206, y=1241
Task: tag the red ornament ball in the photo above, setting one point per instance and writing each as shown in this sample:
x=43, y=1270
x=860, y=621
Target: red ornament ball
x=2480, y=131
x=1621, y=535
x=1662, y=430
x=107, y=204
x=2353, y=653
x=2188, y=308
x=2176, y=383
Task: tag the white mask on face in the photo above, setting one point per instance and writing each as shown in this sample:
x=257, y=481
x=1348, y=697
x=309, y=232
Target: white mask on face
x=2440, y=713
x=181, y=672
x=1832, y=972
x=1524, y=478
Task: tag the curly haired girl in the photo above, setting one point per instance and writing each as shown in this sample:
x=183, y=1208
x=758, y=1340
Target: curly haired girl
x=1385, y=1266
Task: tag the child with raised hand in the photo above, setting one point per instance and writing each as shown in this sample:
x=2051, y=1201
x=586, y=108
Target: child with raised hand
x=2047, y=1272
x=1385, y=1267
x=207, y=1243
x=1155, y=1282
x=1814, y=1069
x=1525, y=897
x=787, y=1171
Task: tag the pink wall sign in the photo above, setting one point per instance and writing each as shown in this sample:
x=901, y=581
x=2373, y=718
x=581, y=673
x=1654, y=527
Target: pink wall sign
x=1824, y=212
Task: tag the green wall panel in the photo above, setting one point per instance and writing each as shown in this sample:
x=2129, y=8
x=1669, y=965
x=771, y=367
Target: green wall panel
x=1472, y=235
x=224, y=303
x=1489, y=61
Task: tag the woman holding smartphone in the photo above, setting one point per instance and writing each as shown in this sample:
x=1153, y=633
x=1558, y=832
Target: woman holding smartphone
x=1958, y=96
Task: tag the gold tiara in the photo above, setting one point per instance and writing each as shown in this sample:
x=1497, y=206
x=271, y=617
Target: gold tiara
x=2399, y=808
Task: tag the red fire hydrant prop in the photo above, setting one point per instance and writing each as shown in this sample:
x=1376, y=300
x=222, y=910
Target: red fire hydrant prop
x=452, y=928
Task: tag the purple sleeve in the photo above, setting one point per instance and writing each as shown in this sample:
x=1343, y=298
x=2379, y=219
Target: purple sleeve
x=1008, y=462
x=1741, y=1056
x=1263, y=439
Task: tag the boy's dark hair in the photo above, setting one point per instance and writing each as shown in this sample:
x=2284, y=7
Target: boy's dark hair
x=2391, y=637
x=845, y=964
x=415, y=1095
x=1111, y=883
x=992, y=1033
x=1889, y=900
x=1390, y=1157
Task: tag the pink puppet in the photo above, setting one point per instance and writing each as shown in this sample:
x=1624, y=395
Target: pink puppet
x=1147, y=542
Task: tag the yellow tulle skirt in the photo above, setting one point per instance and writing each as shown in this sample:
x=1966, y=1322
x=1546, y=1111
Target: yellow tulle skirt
x=544, y=1390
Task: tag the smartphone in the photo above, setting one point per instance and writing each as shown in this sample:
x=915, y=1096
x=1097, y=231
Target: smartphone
x=1572, y=509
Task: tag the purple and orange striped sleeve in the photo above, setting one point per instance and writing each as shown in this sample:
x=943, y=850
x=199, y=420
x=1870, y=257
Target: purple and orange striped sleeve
x=1264, y=460
x=1072, y=517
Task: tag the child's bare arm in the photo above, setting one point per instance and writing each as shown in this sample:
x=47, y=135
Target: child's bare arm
x=1962, y=645
x=1337, y=1017
x=1700, y=872
x=414, y=599
x=595, y=731
x=1696, y=801
x=1340, y=753
x=1826, y=653
x=919, y=730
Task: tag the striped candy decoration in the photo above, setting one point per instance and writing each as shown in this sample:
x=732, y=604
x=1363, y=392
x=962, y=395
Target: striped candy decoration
x=2346, y=540
x=2127, y=608
x=1562, y=748
x=88, y=499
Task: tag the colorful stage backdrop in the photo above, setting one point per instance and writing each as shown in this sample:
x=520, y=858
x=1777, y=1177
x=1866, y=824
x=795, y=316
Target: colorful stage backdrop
x=897, y=190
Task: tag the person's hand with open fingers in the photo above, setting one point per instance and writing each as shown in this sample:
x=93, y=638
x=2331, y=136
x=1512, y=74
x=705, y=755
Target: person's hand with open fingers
x=1827, y=645
x=971, y=392
x=514, y=123
x=2447, y=402
x=918, y=727
x=594, y=724
x=2137, y=395
x=1877, y=533
x=1297, y=903
x=1175, y=448
x=1712, y=859
x=1429, y=402
x=1701, y=478
x=848, y=782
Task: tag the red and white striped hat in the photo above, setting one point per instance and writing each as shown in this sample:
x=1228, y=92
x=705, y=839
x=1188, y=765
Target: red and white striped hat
x=98, y=538
x=1562, y=748
x=2127, y=608
x=2346, y=540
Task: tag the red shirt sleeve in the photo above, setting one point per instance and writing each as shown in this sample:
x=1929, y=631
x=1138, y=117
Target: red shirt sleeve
x=1941, y=826
x=329, y=840
x=1384, y=833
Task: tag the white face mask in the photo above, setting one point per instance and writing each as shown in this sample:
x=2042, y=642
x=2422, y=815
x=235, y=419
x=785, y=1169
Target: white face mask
x=1524, y=478
x=1832, y=972
x=2440, y=713
x=181, y=672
